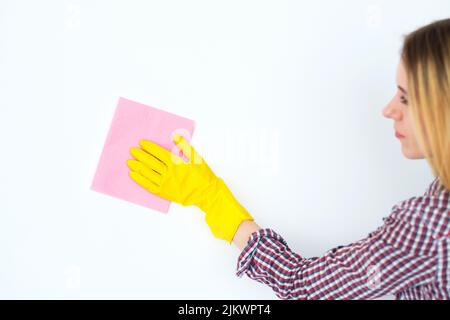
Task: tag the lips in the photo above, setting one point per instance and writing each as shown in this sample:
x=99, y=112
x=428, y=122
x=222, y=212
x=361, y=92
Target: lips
x=398, y=135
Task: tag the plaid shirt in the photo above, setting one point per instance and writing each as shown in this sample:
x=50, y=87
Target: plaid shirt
x=408, y=256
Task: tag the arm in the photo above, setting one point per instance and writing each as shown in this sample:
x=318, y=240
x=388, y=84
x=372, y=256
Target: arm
x=388, y=261
x=245, y=229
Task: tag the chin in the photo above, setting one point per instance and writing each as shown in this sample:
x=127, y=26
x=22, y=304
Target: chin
x=413, y=155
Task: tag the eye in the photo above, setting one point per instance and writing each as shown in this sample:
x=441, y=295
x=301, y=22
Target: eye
x=403, y=100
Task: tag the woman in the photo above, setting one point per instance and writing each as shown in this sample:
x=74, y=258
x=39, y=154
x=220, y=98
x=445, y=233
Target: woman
x=408, y=256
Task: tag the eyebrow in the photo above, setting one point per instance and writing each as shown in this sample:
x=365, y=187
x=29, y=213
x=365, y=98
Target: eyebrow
x=402, y=90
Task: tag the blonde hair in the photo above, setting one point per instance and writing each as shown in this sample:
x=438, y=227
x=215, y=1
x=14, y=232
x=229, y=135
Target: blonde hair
x=426, y=56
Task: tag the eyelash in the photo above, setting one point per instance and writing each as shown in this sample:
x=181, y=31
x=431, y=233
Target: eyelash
x=403, y=100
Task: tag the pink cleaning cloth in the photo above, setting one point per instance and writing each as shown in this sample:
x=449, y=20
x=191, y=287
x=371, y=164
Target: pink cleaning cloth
x=132, y=122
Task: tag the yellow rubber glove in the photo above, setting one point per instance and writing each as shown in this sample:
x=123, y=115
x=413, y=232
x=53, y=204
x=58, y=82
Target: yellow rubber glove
x=189, y=182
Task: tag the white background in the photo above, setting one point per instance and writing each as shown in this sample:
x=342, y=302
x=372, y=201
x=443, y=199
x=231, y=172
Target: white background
x=287, y=97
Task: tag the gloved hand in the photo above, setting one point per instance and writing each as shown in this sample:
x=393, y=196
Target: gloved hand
x=189, y=182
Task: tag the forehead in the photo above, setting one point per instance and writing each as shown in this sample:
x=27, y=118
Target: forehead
x=401, y=75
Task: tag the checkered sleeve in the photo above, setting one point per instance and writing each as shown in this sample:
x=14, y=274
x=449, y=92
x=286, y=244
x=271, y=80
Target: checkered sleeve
x=396, y=256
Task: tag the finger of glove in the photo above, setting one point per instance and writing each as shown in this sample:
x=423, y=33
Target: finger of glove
x=142, y=169
x=144, y=182
x=156, y=150
x=148, y=159
x=188, y=149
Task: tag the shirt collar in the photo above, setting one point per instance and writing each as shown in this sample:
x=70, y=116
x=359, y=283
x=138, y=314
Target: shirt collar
x=435, y=187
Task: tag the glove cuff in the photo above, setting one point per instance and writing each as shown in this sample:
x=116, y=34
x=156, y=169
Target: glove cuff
x=223, y=212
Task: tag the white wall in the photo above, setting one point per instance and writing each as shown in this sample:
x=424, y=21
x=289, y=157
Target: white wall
x=299, y=86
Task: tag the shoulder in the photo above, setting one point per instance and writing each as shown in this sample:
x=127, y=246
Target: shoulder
x=416, y=222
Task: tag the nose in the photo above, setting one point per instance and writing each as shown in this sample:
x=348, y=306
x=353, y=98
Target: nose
x=392, y=111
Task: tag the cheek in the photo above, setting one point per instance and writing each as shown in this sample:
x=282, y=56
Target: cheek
x=408, y=125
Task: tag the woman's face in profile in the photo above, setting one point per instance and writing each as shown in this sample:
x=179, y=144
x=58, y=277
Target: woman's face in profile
x=398, y=110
